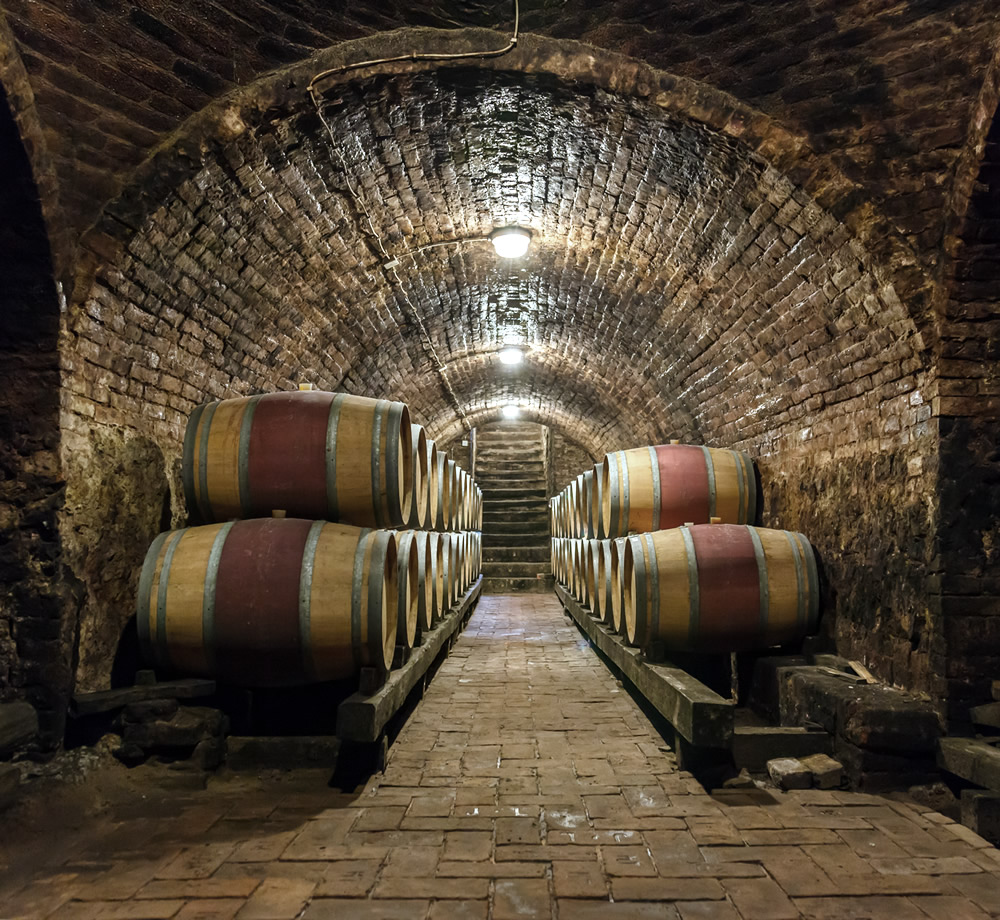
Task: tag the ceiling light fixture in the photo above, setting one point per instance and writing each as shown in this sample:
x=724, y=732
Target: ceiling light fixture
x=511, y=411
x=511, y=356
x=510, y=242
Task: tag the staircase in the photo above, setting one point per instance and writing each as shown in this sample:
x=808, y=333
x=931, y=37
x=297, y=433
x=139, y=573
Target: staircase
x=510, y=470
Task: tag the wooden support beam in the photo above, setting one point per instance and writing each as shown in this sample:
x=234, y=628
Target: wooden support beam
x=697, y=713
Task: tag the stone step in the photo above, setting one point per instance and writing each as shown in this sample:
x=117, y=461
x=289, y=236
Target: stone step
x=515, y=501
x=515, y=569
x=515, y=515
x=516, y=554
x=496, y=540
x=538, y=529
x=496, y=495
x=518, y=585
x=511, y=452
x=508, y=481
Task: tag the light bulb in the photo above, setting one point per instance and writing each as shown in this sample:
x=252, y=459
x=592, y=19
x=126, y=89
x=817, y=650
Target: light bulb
x=511, y=356
x=511, y=411
x=510, y=242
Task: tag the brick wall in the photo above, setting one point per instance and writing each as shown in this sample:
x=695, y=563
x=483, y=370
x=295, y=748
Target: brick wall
x=568, y=460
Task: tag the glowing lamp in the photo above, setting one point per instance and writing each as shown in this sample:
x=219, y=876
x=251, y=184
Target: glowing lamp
x=510, y=242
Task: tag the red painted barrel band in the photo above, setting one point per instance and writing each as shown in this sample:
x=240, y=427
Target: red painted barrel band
x=683, y=485
x=728, y=584
x=257, y=637
x=289, y=429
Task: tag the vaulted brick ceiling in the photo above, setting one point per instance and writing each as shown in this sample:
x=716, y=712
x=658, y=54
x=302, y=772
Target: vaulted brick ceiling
x=676, y=284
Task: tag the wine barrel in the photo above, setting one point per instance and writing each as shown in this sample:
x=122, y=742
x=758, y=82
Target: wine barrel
x=599, y=596
x=461, y=499
x=454, y=486
x=586, y=498
x=425, y=582
x=458, y=554
x=719, y=588
x=419, y=502
x=436, y=554
x=617, y=585
x=655, y=488
x=269, y=602
x=407, y=589
x=310, y=454
x=442, y=520
x=604, y=582
x=596, y=503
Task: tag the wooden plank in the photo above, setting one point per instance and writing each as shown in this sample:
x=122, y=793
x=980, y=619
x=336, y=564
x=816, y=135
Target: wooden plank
x=971, y=759
x=361, y=718
x=698, y=713
x=84, y=704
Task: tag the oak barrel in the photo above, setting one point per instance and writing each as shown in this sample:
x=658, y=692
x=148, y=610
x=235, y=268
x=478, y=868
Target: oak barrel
x=270, y=602
x=407, y=588
x=419, y=501
x=310, y=454
x=444, y=478
x=432, y=484
x=719, y=588
x=436, y=556
x=655, y=488
x=617, y=547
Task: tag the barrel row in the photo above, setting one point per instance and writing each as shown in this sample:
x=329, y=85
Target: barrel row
x=697, y=588
x=647, y=489
x=316, y=455
x=285, y=601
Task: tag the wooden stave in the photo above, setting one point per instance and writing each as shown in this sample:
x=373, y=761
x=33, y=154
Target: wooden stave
x=325, y=550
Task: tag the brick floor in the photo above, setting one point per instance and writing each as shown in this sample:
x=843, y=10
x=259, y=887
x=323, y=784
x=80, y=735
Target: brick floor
x=526, y=784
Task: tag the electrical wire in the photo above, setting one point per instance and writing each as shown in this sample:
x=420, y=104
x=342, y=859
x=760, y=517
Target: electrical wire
x=423, y=56
x=389, y=263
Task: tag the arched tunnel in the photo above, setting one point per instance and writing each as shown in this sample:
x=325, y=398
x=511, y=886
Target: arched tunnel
x=768, y=227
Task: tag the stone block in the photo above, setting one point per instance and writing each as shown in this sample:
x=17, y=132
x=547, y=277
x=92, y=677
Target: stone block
x=981, y=813
x=10, y=780
x=827, y=773
x=282, y=753
x=883, y=719
x=754, y=746
x=789, y=773
x=184, y=729
x=869, y=716
x=18, y=724
x=764, y=695
x=987, y=715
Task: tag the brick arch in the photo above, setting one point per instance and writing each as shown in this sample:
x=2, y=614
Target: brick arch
x=967, y=597
x=704, y=211
x=20, y=101
x=282, y=94
x=35, y=603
